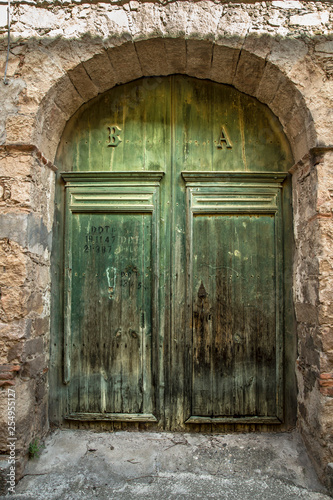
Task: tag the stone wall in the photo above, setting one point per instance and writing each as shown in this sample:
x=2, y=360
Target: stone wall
x=312, y=181
x=26, y=202
x=63, y=54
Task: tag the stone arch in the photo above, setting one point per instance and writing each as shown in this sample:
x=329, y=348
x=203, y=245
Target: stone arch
x=248, y=72
x=240, y=68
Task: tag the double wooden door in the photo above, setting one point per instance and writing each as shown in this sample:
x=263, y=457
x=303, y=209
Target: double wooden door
x=174, y=273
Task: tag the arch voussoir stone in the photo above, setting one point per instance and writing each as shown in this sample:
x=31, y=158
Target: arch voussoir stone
x=175, y=52
x=249, y=72
x=125, y=61
x=152, y=58
x=82, y=82
x=271, y=80
x=101, y=72
x=199, y=57
x=224, y=63
x=66, y=96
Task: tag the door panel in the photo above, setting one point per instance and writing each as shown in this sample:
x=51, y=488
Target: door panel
x=235, y=270
x=111, y=299
x=111, y=304
x=233, y=315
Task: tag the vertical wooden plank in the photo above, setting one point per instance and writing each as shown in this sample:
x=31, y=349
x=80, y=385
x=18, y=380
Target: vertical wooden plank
x=267, y=290
x=147, y=313
x=188, y=284
x=280, y=312
x=176, y=208
x=290, y=339
x=132, y=149
x=154, y=334
x=163, y=380
x=222, y=270
x=202, y=321
x=131, y=248
x=67, y=294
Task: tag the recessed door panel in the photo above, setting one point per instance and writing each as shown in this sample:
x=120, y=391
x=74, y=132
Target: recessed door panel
x=110, y=302
x=234, y=363
x=234, y=301
x=111, y=311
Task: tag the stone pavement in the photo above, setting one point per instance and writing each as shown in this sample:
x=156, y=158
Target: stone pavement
x=83, y=465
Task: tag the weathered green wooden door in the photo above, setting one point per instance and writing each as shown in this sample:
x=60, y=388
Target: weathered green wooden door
x=176, y=296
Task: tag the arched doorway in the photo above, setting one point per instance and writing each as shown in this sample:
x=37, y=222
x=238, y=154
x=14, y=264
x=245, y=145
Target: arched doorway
x=174, y=242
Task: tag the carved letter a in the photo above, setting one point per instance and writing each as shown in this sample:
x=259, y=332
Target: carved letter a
x=224, y=139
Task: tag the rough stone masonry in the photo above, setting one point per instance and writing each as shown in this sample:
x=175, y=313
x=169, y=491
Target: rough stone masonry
x=62, y=54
